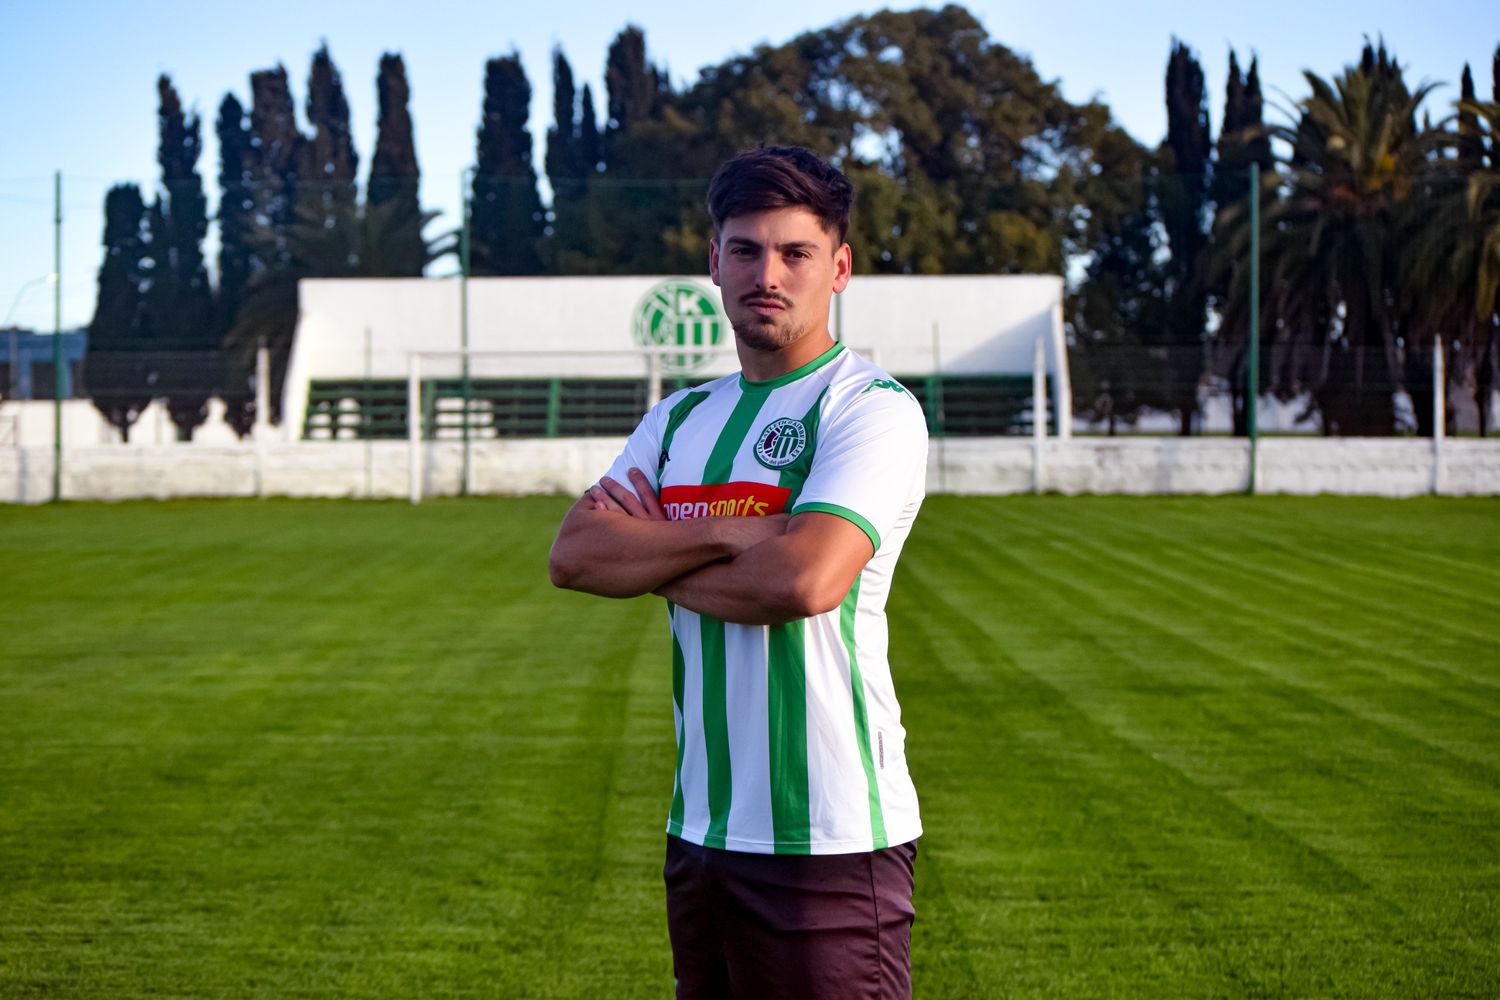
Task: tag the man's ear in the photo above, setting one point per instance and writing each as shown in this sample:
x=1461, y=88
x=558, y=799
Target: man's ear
x=843, y=267
x=713, y=257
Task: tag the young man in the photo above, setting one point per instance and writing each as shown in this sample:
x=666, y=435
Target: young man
x=769, y=509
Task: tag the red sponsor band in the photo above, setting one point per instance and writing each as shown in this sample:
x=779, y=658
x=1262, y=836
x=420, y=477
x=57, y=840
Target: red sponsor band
x=724, y=500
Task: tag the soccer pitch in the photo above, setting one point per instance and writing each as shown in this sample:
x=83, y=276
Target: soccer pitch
x=1166, y=747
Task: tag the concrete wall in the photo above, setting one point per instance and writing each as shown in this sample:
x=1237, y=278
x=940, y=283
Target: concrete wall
x=1395, y=467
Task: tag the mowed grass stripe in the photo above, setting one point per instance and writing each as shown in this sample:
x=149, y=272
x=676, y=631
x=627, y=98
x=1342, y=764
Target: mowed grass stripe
x=1164, y=653
x=1411, y=700
x=316, y=749
x=1398, y=551
x=1149, y=906
x=1270, y=570
x=1199, y=647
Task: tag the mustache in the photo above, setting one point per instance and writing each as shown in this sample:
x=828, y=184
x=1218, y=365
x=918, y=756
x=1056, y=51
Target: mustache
x=765, y=296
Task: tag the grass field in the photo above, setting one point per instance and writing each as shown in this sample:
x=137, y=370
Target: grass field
x=1166, y=748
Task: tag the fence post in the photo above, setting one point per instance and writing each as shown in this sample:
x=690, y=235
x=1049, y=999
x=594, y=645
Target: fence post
x=1252, y=381
x=653, y=378
x=1038, y=416
x=464, y=251
x=57, y=351
x=1439, y=413
x=262, y=429
x=414, y=428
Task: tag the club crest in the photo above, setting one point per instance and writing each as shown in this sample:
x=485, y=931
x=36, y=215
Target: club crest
x=780, y=443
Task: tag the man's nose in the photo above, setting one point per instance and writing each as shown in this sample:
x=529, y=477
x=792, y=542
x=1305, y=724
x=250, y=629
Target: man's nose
x=768, y=272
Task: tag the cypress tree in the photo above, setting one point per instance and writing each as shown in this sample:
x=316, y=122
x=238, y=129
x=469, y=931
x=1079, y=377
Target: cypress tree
x=118, y=311
x=236, y=223
x=179, y=302
x=563, y=162
x=633, y=94
x=590, y=142
x=276, y=151
x=179, y=305
x=236, y=210
x=1183, y=197
x=394, y=175
x=332, y=162
x=507, y=221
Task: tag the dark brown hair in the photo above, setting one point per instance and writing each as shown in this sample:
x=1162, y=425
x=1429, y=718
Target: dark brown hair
x=781, y=177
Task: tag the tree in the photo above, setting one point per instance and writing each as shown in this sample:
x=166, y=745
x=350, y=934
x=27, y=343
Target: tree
x=394, y=175
x=1330, y=244
x=236, y=221
x=118, y=310
x=564, y=160
x=1243, y=143
x=1183, y=197
x=179, y=302
x=329, y=175
x=506, y=218
x=1121, y=300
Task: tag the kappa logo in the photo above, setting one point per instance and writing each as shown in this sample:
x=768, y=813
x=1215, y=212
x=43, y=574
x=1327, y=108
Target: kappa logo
x=781, y=442
x=884, y=383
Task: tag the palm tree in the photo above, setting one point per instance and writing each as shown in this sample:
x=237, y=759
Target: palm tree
x=1332, y=310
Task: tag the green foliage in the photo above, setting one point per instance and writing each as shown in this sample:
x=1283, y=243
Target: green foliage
x=394, y=175
x=1165, y=747
x=506, y=218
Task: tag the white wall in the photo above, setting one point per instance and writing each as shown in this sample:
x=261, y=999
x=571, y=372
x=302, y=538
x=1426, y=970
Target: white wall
x=352, y=328
x=1395, y=467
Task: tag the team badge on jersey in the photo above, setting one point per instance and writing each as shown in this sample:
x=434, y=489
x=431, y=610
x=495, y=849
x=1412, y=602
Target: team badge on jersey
x=780, y=443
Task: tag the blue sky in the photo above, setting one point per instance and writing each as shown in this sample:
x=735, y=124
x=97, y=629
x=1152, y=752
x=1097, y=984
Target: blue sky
x=77, y=78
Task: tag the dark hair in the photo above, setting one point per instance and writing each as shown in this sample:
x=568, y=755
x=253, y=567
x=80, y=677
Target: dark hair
x=781, y=177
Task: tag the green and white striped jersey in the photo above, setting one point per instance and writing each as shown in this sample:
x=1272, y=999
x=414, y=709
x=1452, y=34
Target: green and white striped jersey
x=789, y=737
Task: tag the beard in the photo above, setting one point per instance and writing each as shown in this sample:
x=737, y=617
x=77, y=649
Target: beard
x=768, y=333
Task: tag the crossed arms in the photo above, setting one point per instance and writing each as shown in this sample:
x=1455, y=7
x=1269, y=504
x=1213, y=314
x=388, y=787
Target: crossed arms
x=747, y=570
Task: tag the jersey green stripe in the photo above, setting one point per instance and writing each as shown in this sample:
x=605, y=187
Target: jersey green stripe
x=861, y=718
x=715, y=707
x=674, y=818
x=795, y=475
x=786, y=692
x=736, y=429
x=716, y=731
x=786, y=696
x=679, y=413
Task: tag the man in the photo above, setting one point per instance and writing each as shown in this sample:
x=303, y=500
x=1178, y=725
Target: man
x=769, y=508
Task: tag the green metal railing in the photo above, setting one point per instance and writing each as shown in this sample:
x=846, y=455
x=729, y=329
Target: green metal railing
x=363, y=409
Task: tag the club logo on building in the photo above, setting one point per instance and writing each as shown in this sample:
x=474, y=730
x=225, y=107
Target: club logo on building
x=679, y=315
x=780, y=443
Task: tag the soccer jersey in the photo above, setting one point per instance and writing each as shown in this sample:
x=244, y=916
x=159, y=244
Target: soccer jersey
x=789, y=737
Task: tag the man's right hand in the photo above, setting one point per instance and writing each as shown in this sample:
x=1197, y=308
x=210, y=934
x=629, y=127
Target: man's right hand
x=619, y=543
x=736, y=533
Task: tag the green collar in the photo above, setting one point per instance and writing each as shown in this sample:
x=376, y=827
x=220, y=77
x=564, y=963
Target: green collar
x=746, y=385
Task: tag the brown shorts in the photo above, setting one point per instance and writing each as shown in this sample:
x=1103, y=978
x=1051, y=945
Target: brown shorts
x=769, y=926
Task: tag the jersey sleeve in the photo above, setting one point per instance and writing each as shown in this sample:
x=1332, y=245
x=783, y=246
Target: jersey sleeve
x=642, y=449
x=869, y=462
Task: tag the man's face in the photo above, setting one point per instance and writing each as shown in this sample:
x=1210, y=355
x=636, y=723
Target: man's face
x=778, y=270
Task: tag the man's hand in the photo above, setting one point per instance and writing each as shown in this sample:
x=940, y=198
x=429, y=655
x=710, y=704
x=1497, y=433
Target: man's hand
x=738, y=533
x=615, y=543
x=806, y=571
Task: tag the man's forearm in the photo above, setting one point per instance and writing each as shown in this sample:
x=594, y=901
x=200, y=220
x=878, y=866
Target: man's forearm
x=796, y=575
x=614, y=555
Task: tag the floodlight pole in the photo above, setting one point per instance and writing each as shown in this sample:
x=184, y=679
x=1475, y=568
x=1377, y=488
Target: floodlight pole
x=463, y=312
x=1252, y=381
x=57, y=351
